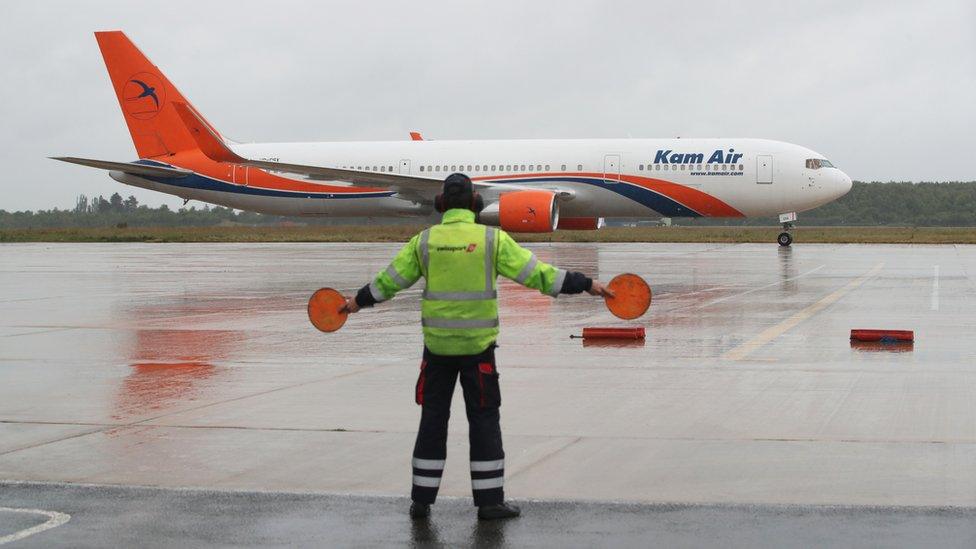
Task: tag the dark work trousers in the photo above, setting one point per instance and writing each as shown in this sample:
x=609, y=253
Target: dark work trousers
x=482, y=398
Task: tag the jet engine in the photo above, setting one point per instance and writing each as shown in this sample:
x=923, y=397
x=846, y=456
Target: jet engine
x=523, y=212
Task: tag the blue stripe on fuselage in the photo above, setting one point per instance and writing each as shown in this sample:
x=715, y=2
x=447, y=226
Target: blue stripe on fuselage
x=646, y=197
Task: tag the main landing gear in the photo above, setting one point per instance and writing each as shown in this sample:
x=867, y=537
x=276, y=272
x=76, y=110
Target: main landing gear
x=785, y=238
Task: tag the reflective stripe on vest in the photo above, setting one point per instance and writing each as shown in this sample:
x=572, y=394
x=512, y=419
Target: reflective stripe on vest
x=490, y=258
x=459, y=323
x=403, y=283
x=526, y=271
x=425, y=251
x=374, y=290
x=460, y=296
x=459, y=311
x=557, y=284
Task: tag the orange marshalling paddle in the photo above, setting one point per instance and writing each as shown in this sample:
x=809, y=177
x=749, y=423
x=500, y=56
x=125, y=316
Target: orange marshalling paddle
x=324, y=310
x=632, y=296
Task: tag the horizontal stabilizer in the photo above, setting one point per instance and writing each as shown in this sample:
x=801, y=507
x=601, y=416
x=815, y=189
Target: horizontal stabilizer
x=127, y=167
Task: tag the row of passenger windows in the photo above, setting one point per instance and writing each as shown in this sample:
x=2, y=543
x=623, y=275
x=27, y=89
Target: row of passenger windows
x=682, y=167
x=471, y=168
x=380, y=169
x=492, y=168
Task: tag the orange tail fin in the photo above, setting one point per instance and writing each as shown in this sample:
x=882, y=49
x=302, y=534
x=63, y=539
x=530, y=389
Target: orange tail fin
x=146, y=97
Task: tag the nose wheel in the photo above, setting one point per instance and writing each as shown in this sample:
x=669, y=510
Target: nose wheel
x=785, y=238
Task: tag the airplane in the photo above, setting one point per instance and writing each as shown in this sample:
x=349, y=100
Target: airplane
x=529, y=185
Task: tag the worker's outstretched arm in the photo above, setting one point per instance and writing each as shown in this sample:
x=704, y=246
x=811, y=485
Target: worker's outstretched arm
x=402, y=273
x=522, y=266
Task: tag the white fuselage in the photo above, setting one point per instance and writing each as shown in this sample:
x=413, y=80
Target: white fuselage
x=755, y=177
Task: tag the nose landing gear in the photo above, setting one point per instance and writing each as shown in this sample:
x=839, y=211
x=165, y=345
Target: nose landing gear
x=785, y=238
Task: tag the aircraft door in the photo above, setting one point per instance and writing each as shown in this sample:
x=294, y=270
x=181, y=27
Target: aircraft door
x=405, y=166
x=611, y=168
x=240, y=174
x=764, y=169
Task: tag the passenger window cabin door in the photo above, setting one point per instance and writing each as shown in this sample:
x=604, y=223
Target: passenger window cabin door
x=764, y=169
x=405, y=166
x=611, y=168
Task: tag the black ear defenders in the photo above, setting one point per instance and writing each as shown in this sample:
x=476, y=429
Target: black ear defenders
x=477, y=203
x=459, y=184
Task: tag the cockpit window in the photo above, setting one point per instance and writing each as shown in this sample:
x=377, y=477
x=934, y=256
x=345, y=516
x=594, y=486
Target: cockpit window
x=817, y=163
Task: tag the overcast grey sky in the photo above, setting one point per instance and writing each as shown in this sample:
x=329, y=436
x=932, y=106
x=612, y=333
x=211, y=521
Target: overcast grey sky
x=886, y=90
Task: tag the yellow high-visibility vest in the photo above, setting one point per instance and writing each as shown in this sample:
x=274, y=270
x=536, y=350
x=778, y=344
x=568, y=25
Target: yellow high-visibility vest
x=460, y=260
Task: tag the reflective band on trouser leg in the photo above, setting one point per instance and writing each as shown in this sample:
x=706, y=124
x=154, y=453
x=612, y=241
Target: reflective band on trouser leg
x=426, y=482
x=426, y=479
x=493, y=465
x=487, y=481
x=431, y=464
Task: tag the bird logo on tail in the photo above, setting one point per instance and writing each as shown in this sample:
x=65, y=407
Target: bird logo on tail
x=147, y=91
x=142, y=95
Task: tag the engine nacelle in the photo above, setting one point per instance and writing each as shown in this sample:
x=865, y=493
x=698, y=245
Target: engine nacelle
x=580, y=223
x=523, y=212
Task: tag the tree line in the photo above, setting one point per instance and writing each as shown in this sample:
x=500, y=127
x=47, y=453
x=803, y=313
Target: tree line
x=868, y=204
x=908, y=204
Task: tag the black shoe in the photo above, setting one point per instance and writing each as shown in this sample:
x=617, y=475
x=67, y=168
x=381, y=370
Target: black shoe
x=498, y=511
x=419, y=510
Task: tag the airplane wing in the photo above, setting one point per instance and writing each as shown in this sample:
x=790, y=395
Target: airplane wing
x=127, y=167
x=411, y=186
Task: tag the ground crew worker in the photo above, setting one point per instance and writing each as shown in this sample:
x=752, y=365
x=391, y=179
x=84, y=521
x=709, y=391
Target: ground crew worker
x=460, y=260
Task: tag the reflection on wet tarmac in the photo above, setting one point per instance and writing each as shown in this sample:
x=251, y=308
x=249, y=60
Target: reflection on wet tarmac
x=169, y=368
x=882, y=346
x=787, y=268
x=489, y=533
x=153, y=387
x=423, y=533
x=613, y=343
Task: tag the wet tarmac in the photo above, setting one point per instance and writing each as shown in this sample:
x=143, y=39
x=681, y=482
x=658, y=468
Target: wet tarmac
x=194, y=365
x=104, y=516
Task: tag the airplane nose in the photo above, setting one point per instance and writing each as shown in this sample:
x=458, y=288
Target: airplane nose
x=845, y=184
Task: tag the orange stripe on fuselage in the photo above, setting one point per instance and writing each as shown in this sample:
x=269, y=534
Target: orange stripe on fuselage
x=198, y=162
x=701, y=202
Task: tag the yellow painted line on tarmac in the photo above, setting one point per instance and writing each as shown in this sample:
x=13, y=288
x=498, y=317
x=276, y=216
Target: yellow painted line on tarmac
x=771, y=333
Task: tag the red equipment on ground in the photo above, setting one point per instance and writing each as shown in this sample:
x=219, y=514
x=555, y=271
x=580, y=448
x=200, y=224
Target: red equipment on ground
x=883, y=336
x=612, y=333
